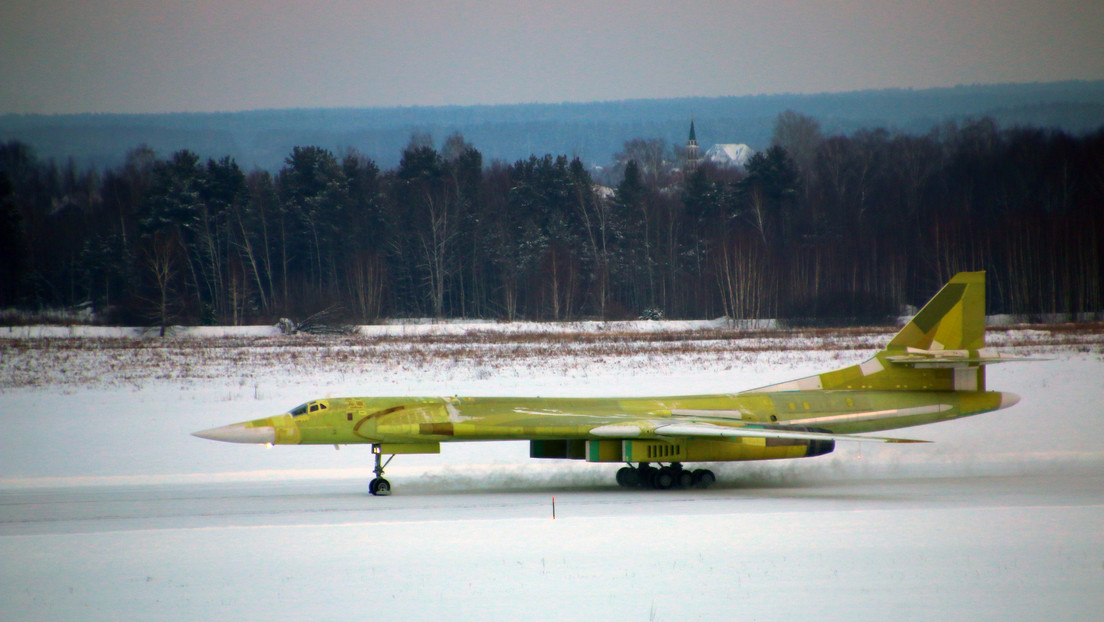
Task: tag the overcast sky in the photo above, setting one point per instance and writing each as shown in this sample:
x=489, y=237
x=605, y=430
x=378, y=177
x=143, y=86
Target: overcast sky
x=59, y=56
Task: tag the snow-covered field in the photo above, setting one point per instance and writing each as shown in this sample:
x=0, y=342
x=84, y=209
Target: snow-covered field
x=110, y=510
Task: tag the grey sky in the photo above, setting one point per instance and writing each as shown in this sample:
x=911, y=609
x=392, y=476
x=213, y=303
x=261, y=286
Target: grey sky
x=59, y=56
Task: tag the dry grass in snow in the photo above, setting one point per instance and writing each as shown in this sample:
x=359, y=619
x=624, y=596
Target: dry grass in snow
x=478, y=353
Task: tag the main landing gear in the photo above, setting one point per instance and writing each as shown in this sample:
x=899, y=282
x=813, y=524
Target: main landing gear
x=664, y=478
x=379, y=486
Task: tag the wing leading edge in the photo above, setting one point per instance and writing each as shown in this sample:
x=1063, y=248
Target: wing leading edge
x=798, y=430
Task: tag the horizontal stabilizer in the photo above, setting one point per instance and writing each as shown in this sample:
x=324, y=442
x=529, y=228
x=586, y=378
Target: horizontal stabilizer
x=917, y=357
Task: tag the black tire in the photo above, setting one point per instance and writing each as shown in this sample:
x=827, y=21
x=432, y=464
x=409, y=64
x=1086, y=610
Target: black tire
x=625, y=475
x=379, y=487
x=685, y=479
x=663, y=479
x=704, y=478
x=383, y=488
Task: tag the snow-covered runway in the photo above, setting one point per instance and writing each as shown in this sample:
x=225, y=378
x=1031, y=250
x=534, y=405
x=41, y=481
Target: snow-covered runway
x=930, y=547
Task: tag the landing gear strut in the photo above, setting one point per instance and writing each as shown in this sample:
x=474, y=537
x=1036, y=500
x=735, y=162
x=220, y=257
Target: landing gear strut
x=664, y=478
x=379, y=486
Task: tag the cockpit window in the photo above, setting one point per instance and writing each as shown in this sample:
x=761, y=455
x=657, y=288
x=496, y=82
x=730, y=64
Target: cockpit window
x=303, y=409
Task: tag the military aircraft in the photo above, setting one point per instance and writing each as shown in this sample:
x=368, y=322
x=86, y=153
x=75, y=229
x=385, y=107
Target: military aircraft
x=932, y=370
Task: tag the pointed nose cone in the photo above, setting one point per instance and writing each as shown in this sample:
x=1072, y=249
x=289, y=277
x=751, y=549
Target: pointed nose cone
x=239, y=433
x=1008, y=399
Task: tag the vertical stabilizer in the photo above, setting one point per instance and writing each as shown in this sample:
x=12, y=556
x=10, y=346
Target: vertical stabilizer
x=953, y=320
x=940, y=349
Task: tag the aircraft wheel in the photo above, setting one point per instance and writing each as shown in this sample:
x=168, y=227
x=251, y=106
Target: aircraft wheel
x=704, y=478
x=685, y=479
x=379, y=487
x=627, y=477
x=663, y=479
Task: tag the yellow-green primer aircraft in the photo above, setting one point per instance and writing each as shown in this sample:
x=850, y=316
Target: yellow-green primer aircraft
x=932, y=370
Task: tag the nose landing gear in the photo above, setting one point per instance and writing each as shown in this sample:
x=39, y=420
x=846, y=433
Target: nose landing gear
x=664, y=478
x=379, y=487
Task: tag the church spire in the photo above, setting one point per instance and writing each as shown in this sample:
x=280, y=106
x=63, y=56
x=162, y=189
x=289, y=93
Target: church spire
x=693, y=155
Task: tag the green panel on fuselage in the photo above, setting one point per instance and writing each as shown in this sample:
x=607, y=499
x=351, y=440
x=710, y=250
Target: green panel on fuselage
x=604, y=451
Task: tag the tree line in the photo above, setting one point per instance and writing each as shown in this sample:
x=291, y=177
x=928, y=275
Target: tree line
x=814, y=228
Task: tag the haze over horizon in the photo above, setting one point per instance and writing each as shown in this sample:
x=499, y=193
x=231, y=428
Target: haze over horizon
x=133, y=56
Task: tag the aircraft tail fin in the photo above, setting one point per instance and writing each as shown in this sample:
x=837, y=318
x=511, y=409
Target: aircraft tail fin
x=954, y=319
x=940, y=349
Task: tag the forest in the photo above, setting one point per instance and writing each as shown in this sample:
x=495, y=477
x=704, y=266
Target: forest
x=818, y=227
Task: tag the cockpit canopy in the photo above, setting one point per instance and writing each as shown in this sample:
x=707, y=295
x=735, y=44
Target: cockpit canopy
x=309, y=407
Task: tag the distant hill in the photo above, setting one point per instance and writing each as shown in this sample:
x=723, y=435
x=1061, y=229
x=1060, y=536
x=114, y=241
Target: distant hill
x=593, y=131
